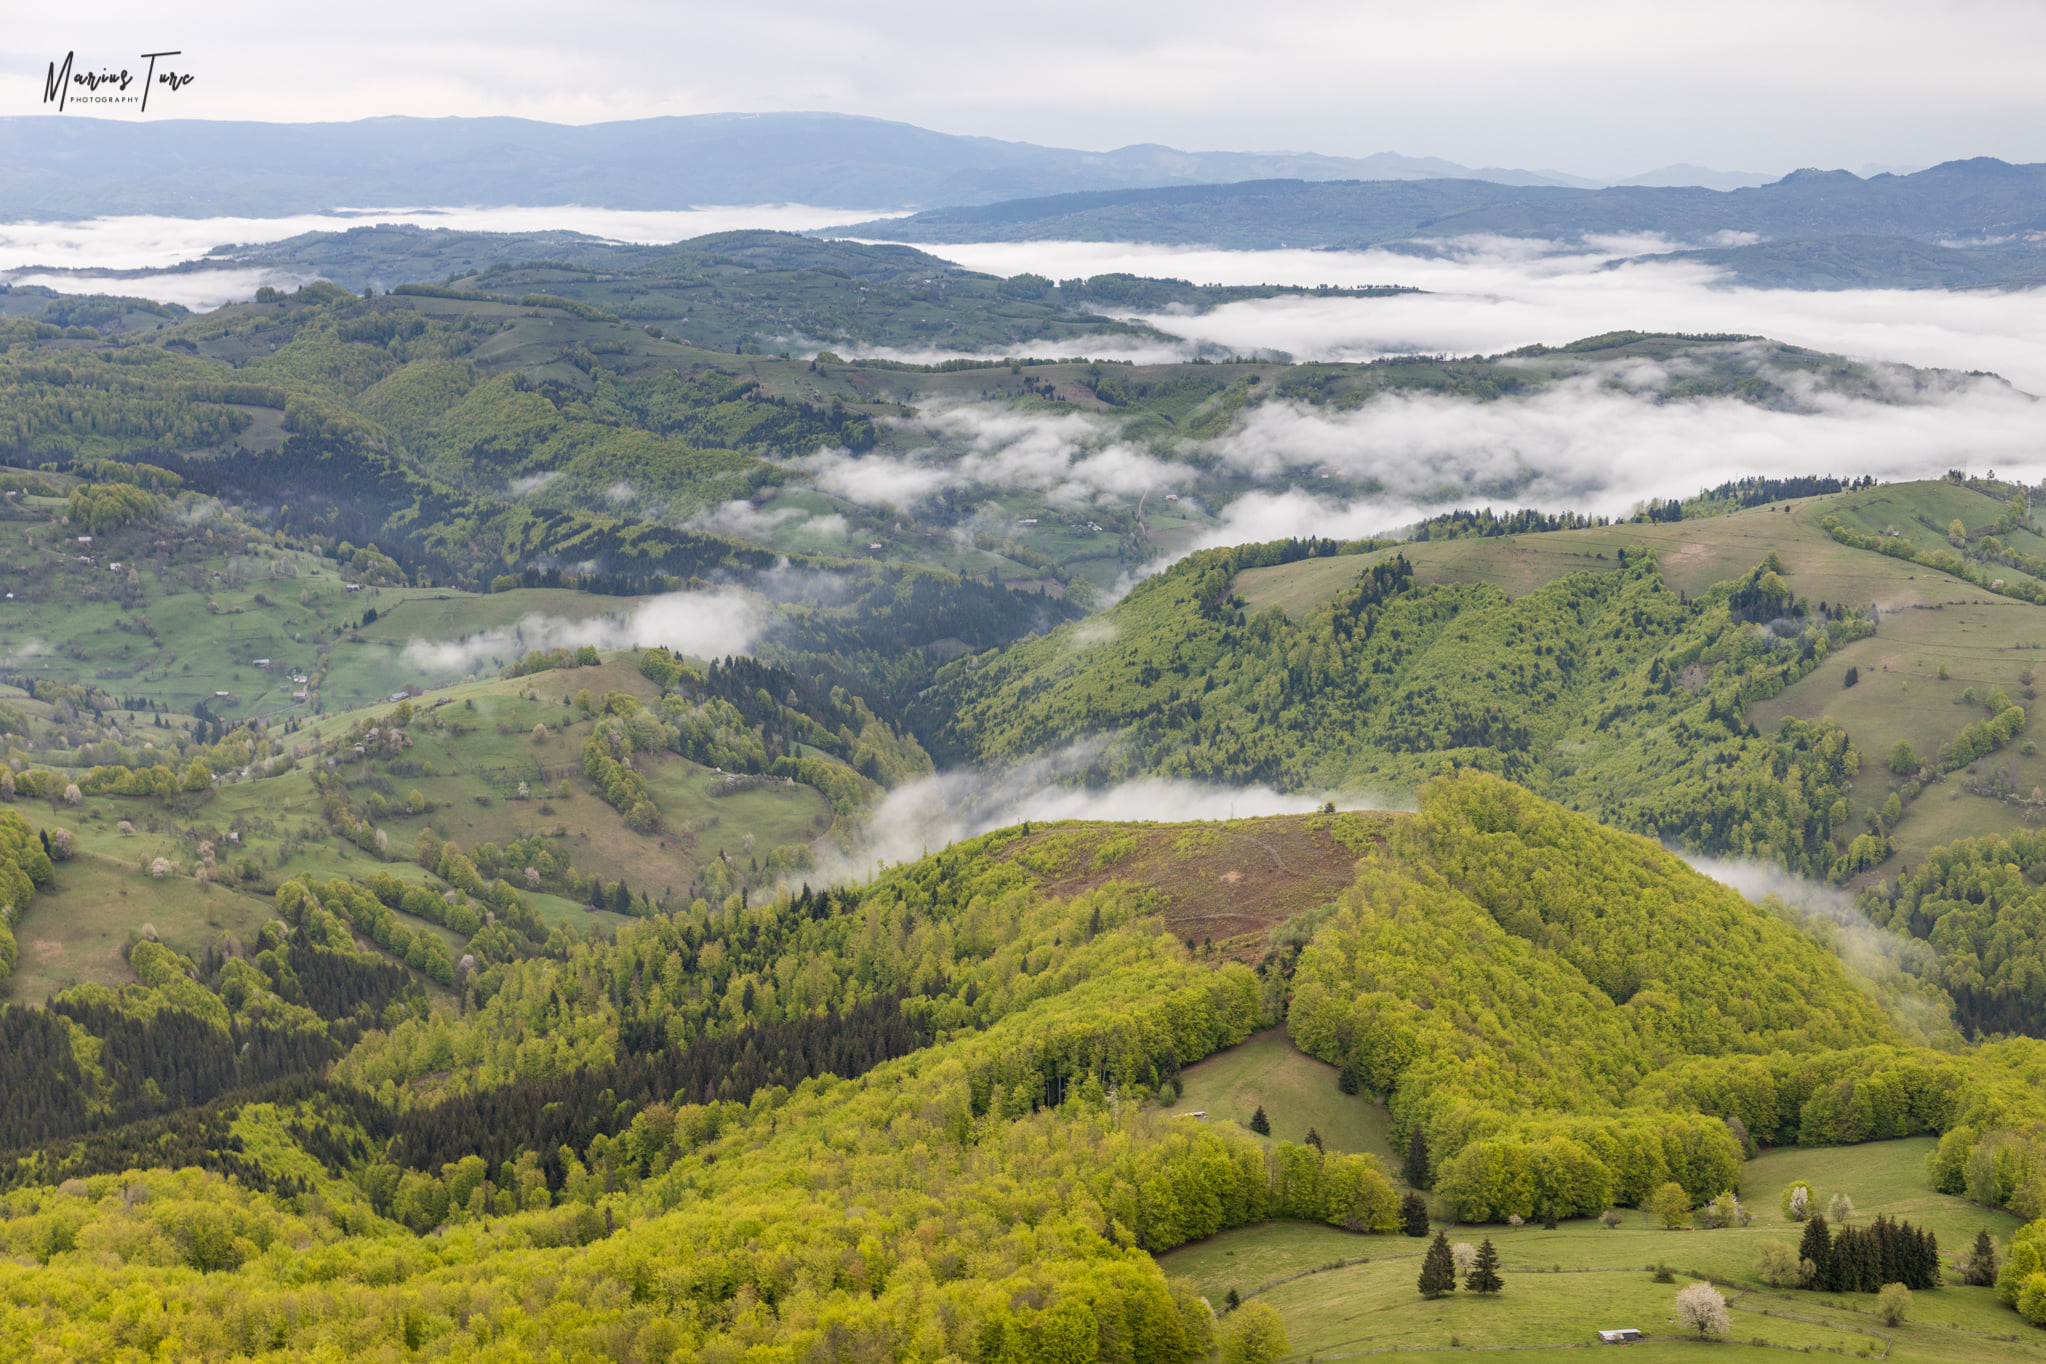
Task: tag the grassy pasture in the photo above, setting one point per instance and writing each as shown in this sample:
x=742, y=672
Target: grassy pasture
x=77, y=932
x=1694, y=555
x=1928, y=620
x=1563, y=1285
x=471, y=763
x=1296, y=1091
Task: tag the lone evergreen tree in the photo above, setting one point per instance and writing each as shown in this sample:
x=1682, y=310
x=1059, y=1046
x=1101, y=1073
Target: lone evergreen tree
x=1414, y=1170
x=1259, y=1123
x=1981, y=1270
x=1314, y=1140
x=1438, y=1269
x=1414, y=1215
x=1346, y=1078
x=1232, y=1301
x=1484, y=1275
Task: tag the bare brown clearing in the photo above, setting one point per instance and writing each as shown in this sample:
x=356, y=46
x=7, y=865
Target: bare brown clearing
x=1220, y=881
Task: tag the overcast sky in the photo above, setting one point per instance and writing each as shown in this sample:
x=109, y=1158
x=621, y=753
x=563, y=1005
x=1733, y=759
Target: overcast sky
x=1586, y=86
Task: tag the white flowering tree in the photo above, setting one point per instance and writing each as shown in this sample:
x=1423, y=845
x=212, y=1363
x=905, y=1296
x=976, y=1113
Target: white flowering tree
x=1700, y=1308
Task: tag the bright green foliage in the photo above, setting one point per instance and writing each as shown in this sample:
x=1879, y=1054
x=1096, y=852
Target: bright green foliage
x=996, y=1188
x=1670, y=1204
x=1600, y=959
x=24, y=867
x=101, y=506
x=912, y=1172
x=1254, y=1334
x=2022, y=1281
x=1391, y=683
x=151, y=401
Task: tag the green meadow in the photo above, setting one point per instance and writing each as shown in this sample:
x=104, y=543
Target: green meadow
x=1563, y=1286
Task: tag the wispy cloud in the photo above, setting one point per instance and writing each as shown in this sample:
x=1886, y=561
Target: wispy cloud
x=1073, y=459
x=702, y=624
x=1894, y=967
x=928, y=814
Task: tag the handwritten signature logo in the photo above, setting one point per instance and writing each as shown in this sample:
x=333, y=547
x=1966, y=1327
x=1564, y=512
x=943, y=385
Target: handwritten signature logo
x=58, y=86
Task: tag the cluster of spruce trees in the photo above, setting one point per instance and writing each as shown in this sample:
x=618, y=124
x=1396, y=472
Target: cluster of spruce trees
x=338, y=1125
x=546, y=1115
x=1857, y=1260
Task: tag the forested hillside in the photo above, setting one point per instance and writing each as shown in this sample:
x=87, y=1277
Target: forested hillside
x=597, y=1105
x=436, y=724
x=1393, y=680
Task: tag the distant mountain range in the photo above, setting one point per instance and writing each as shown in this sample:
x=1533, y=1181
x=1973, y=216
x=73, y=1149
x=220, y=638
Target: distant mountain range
x=1962, y=224
x=1981, y=200
x=65, y=166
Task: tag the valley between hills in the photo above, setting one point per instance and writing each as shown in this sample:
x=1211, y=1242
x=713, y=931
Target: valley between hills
x=511, y=847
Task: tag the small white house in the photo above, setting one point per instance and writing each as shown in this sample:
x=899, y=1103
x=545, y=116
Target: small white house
x=1624, y=1336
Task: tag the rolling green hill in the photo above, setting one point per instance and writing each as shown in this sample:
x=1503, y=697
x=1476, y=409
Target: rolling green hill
x=1671, y=676
x=978, y=1163
x=645, y=423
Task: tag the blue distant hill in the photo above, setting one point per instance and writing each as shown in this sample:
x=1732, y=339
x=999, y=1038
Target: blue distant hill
x=66, y=165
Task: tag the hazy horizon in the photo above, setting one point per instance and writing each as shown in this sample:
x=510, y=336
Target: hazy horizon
x=1592, y=87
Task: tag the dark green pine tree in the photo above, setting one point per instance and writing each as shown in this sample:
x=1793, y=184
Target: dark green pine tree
x=1314, y=1140
x=1259, y=1123
x=1414, y=1170
x=1817, y=1249
x=1438, y=1269
x=1414, y=1215
x=1484, y=1276
x=1346, y=1078
x=1981, y=1270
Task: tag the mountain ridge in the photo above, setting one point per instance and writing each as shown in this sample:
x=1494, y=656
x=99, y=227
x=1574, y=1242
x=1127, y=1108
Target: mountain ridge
x=68, y=166
x=1979, y=199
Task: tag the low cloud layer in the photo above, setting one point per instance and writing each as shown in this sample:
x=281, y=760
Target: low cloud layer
x=1071, y=458
x=923, y=816
x=704, y=624
x=1587, y=447
x=142, y=242
x=1487, y=295
x=1601, y=444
